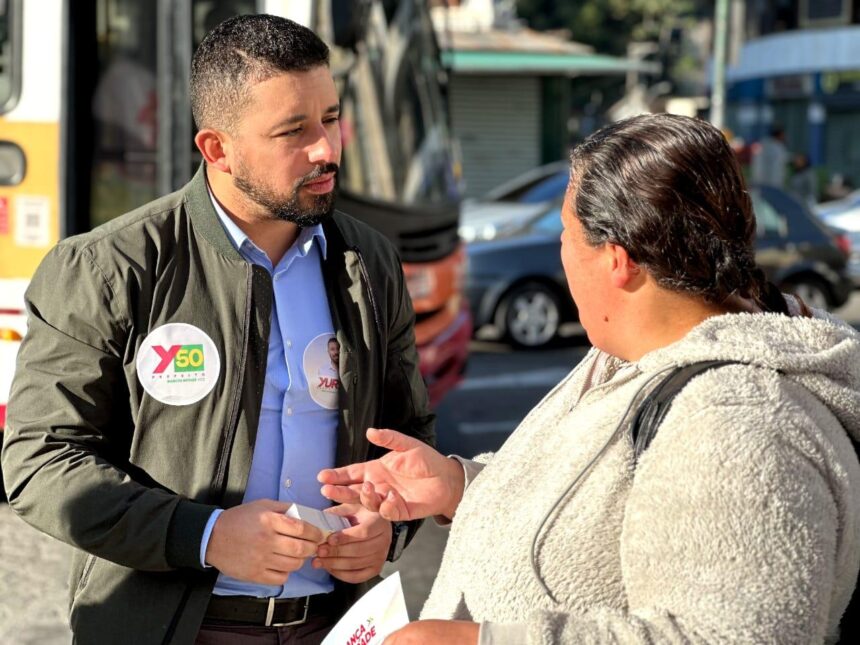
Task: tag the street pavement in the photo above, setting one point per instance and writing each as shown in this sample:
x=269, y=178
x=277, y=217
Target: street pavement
x=500, y=386
x=33, y=570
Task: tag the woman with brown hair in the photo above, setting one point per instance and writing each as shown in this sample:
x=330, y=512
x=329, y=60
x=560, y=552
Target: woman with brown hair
x=739, y=523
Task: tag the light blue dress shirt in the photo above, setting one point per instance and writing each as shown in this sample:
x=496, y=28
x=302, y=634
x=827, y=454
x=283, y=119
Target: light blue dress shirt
x=298, y=421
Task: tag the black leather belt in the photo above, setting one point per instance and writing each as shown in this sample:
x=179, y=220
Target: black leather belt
x=267, y=612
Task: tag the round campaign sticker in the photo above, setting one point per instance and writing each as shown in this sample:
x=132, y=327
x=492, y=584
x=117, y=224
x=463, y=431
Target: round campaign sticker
x=320, y=363
x=178, y=364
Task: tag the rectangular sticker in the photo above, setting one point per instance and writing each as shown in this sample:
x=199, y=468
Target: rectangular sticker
x=32, y=220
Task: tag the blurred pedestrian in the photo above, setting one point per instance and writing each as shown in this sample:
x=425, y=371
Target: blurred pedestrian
x=164, y=413
x=803, y=181
x=741, y=522
x=770, y=159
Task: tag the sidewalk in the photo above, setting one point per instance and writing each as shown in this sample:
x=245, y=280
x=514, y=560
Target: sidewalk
x=33, y=571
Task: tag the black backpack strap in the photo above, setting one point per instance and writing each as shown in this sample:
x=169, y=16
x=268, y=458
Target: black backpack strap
x=655, y=406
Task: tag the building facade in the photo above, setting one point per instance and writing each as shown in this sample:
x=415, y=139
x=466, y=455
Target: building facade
x=800, y=69
x=510, y=88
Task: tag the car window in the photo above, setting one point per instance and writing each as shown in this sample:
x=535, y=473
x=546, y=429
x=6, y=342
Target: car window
x=549, y=222
x=549, y=189
x=801, y=224
x=769, y=223
x=514, y=189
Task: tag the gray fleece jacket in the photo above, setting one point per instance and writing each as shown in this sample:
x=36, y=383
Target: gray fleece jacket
x=740, y=523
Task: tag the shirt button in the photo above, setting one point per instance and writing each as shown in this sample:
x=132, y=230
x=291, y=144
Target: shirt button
x=288, y=483
x=289, y=343
x=289, y=412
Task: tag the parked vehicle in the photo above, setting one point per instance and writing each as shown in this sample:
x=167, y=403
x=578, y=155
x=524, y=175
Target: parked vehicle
x=511, y=205
x=483, y=221
x=798, y=252
x=516, y=281
x=850, y=202
x=540, y=184
x=849, y=227
x=844, y=214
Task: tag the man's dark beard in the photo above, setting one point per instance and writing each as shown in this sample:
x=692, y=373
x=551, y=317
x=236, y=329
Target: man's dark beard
x=291, y=210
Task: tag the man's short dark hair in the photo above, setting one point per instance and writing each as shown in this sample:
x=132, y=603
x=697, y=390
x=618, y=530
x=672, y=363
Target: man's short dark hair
x=240, y=52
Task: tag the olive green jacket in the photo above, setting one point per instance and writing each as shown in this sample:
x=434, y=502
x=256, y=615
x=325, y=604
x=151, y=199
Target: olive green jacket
x=93, y=460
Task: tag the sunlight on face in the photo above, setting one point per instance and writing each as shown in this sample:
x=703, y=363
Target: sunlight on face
x=287, y=149
x=585, y=270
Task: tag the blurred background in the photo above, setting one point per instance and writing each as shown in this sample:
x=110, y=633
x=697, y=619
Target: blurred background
x=458, y=117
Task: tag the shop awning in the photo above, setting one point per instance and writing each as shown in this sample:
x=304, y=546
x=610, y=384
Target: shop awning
x=496, y=62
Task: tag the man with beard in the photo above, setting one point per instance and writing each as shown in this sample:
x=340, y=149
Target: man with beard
x=160, y=419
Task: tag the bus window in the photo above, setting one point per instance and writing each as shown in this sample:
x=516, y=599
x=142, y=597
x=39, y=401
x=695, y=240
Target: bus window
x=124, y=109
x=395, y=131
x=208, y=14
x=205, y=16
x=10, y=62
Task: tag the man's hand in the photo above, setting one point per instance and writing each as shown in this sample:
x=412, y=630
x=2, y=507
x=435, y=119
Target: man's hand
x=257, y=543
x=410, y=482
x=450, y=632
x=355, y=554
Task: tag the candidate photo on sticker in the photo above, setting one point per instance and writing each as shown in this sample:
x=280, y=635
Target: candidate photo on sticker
x=320, y=362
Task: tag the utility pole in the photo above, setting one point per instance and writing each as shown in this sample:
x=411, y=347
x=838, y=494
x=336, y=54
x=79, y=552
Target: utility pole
x=718, y=81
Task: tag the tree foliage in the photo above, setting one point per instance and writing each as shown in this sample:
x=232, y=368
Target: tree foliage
x=609, y=25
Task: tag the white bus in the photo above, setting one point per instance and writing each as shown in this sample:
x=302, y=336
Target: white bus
x=95, y=120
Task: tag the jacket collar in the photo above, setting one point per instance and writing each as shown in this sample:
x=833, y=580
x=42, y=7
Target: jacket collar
x=204, y=217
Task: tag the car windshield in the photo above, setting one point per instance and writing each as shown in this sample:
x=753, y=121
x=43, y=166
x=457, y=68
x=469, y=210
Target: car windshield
x=551, y=188
x=769, y=223
x=549, y=222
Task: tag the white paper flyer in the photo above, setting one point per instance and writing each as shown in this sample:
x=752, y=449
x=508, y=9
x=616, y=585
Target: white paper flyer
x=377, y=614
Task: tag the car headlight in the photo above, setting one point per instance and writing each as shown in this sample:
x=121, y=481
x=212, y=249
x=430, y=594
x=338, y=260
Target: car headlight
x=489, y=231
x=467, y=233
x=470, y=233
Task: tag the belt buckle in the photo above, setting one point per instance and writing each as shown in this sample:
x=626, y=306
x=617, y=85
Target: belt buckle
x=270, y=612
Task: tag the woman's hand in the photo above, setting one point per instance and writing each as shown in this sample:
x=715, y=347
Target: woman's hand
x=410, y=482
x=450, y=632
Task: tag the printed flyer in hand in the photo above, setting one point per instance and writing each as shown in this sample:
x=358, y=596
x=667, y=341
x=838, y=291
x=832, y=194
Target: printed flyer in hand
x=378, y=613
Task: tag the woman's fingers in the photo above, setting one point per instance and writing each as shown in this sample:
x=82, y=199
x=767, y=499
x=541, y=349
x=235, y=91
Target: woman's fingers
x=344, y=476
x=364, y=494
x=342, y=494
x=393, y=440
x=357, y=473
x=393, y=508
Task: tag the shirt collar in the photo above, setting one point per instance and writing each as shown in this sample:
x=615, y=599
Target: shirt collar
x=304, y=242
